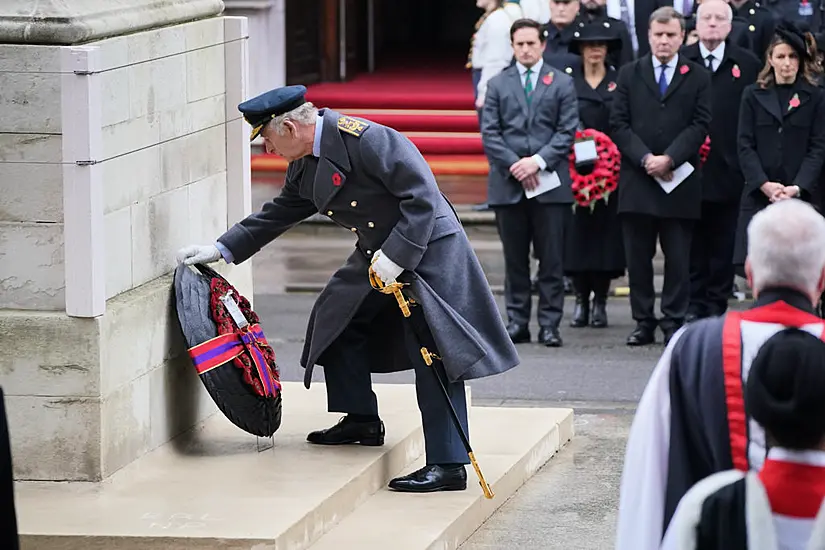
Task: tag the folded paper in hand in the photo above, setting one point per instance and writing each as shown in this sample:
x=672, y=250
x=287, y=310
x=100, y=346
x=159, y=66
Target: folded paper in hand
x=679, y=175
x=547, y=182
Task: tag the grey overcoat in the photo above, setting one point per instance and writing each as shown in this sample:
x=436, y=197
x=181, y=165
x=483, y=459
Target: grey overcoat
x=372, y=180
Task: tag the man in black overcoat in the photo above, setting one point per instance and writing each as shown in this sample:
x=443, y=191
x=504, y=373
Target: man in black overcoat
x=732, y=69
x=660, y=118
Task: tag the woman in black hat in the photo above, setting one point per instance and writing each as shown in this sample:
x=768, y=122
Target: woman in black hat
x=594, y=253
x=781, y=134
x=783, y=506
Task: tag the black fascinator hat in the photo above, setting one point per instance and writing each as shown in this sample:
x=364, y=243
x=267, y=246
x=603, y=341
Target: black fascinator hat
x=794, y=36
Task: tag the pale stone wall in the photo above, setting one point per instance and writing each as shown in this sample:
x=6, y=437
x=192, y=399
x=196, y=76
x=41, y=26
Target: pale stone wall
x=87, y=394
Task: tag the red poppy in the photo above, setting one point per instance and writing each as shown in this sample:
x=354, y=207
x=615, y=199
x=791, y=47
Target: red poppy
x=611, y=86
x=548, y=78
x=735, y=71
x=336, y=179
x=794, y=102
x=684, y=69
x=704, y=150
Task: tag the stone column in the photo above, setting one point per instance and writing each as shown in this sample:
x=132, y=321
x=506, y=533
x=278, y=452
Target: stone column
x=112, y=155
x=267, y=41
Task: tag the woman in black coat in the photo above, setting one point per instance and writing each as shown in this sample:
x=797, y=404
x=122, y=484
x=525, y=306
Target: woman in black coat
x=593, y=253
x=781, y=131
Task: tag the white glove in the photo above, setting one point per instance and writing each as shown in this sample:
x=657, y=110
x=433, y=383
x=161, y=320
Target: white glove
x=386, y=269
x=198, y=254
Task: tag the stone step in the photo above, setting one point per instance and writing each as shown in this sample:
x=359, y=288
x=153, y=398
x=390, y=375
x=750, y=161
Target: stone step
x=510, y=444
x=215, y=487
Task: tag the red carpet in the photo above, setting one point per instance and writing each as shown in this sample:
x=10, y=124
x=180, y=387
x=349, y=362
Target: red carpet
x=431, y=104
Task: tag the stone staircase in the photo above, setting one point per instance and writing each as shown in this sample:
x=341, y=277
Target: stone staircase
x=217, y=487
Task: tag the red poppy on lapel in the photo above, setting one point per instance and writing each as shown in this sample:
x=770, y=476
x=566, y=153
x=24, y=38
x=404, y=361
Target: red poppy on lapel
x=611, y=86
x=794, y=102
x=548, y=78
x=684, y=69
x=336, y=179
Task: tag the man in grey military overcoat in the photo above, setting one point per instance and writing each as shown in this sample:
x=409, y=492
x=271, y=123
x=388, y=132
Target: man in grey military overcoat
x=371, y=180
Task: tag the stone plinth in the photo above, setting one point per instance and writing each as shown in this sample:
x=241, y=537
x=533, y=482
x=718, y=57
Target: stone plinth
x=76, y=21
x=267, y=41
x=112, y=155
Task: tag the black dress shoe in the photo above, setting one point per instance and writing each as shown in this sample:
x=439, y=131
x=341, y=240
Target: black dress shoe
x=370, y=434
x=549, y=336
x=668, y=332
x=519, y=334
x=581, y=313
x=598, y=316
x=431, y=478
x=642, y=335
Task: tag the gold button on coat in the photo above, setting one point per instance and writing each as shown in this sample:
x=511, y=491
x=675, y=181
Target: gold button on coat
x=354, y=229
x=329, y=212
x=354, y=204
x=369, y=252
x=370, y=224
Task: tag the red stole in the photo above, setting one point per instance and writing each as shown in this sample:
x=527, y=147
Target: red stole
x=778, y=312
x=795, y=490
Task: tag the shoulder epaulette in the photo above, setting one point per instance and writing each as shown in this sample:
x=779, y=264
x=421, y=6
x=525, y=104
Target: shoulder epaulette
x=352, y=126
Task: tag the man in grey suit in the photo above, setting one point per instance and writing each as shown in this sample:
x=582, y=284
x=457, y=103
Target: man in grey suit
x=528, y=125
x=372, y=181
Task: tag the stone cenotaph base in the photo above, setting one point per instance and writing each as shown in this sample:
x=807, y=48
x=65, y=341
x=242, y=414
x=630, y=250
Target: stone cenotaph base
x=120, y=141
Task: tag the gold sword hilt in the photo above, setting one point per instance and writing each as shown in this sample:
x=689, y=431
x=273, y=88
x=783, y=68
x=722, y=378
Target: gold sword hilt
x=393, y=288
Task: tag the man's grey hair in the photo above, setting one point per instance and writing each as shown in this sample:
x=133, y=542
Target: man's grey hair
x=729, y=10
x=305, y=114
x=786, y=246
x=665, y=15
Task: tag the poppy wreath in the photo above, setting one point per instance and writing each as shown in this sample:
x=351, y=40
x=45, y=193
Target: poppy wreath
x=603, y=179
x=225, y=325
x=704, y=150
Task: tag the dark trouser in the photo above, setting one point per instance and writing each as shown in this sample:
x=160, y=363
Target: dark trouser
x=543, y=225
x=640, y=232
x=349, y=384
x=711, y=259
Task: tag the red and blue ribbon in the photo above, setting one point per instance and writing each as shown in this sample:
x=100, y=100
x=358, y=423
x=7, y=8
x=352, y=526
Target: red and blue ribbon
x=226, y=347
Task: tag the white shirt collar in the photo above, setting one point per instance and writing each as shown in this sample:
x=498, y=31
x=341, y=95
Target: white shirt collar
x=319, y=130
x=536, y=69
x=718, y=53
x=812, y=458
x=670, y=64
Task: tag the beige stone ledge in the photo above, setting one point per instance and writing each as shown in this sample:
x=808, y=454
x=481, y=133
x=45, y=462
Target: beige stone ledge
x=27, y=58
x=58, y=22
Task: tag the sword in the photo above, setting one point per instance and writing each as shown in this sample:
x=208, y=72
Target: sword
x=419, y=324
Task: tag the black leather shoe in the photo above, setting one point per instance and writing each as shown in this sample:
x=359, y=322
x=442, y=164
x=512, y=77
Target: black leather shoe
x=598, y=316
x=668, y=331
x=581, y=313
x=432, y=478
x=642, y=335
x=519, y=334
x=549, y=336
x=370, y=434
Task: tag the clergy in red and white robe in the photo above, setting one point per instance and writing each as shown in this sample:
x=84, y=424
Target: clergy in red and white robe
x=781, y=507
x=691, y=421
